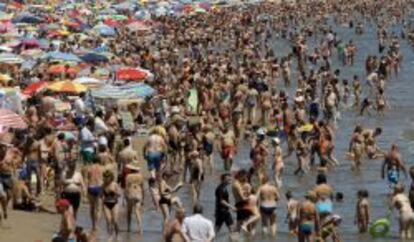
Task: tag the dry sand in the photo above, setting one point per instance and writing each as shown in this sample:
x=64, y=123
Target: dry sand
x=39, y=227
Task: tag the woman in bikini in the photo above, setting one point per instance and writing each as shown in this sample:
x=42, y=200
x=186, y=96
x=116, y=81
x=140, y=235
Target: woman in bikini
x=278, y=164
x=167, y=199
x=134, y=194
x=73, y=187
x=197, y=175
x=111, y=193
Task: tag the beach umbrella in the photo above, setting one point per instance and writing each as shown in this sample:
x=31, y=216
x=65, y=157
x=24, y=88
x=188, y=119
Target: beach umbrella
x=89, y=82
x=127, y=5
x=112, y=23
x=163, y=4
x=53, y=26
x=8, y=58
x=131, y=91
x=161, y=11
x=61, y=56
x=104, y=30
x=130, y=74
x=205, y=5
x=67, y=86
x=34, y=88
x=119, y=17
x=60, y=69
x=6, y=27
x=72, y=24
x=28, y=19
x=138, y=26
x=142, y=14
x=28, y=64
x=94, y=57
x=10, y=119
x=140, y=90
x=101, y=49
x=200, y=10
x=32, y=53
x=4, y=78
x=30, y=43
x=5, y=48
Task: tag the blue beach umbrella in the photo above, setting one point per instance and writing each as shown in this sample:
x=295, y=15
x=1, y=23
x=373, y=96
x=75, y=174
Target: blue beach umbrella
x=60, y=56
x=28, y=19
x=94, y=57
x=104, y=30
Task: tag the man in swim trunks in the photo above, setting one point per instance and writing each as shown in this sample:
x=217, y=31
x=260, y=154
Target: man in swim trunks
x=154, y=151
x=208, y=146
x=393, y=165
x=308, y=218
x=268, y=196
x=94, y=182
x=228, y=147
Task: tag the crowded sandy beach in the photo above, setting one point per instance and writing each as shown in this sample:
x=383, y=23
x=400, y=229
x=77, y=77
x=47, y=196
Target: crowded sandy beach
x=202, y=121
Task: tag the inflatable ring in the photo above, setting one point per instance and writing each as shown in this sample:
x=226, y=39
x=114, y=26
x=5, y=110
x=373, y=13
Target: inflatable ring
x=380, y=228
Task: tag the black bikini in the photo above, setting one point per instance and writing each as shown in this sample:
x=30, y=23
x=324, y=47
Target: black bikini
x=110, y=199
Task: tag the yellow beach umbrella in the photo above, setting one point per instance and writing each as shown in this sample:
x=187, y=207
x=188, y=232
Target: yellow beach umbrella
x=4, y=78
x=67, y=86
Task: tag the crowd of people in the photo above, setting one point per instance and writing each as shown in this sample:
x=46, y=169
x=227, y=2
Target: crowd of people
x=221, y=87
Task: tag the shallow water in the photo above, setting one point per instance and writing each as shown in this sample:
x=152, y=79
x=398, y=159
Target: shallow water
x=398, y=127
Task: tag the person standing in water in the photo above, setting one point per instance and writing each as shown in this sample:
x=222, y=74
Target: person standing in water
x=173, y=229
x=392, y=166
x=308, y=218
x=223, y=206
x=94, y=186
x=111, y=193
x=278, y=164
x=197, y=175
x=268, y=196
x=154, y=151
x=134, y=194
x=292, y=216
x=363, y=211
x=406, y=215
x=228, y=147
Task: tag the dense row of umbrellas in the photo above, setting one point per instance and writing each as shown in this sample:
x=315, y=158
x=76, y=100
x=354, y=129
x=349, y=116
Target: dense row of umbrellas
x=28, y=31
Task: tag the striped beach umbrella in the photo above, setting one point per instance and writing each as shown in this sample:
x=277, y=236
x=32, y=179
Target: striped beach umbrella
x=10, y=119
